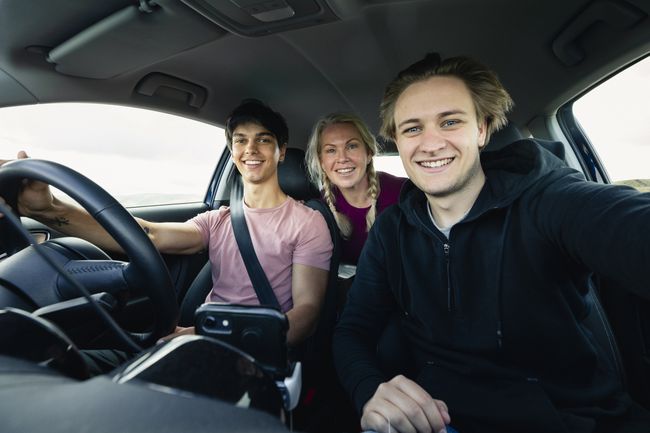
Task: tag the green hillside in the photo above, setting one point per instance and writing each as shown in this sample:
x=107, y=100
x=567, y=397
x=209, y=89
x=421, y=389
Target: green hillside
x=642, y=185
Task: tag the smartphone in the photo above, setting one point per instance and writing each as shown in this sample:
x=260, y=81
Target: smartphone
x=258, y=331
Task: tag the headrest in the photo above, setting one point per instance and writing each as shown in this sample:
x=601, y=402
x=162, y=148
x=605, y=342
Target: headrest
x=293, y=177
x=506, y=135
x=510, y=133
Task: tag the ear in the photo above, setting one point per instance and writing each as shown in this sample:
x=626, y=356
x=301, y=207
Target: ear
x=283, y=151
x=482, y=133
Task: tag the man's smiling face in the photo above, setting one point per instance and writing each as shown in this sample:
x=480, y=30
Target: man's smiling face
x=256, y=153
x=439, y=136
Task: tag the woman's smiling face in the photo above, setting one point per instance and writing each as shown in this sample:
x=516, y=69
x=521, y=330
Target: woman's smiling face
x=343, y=155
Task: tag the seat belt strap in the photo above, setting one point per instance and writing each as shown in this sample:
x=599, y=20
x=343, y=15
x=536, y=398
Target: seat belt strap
x=261, y=284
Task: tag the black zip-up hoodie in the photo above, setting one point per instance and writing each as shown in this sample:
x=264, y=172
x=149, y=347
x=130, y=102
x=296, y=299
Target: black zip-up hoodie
x=493, y=315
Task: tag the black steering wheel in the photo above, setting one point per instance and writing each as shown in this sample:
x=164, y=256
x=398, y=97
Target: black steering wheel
x=145, y=273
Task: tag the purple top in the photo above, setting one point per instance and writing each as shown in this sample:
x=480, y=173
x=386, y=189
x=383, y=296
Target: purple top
x=389, y=188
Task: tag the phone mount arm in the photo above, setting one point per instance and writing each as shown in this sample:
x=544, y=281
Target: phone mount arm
x=291, y=386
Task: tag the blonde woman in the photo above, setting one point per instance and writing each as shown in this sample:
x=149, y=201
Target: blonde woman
x=339, y=159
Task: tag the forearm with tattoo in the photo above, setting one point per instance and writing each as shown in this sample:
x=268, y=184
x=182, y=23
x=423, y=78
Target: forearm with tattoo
x=57, y=222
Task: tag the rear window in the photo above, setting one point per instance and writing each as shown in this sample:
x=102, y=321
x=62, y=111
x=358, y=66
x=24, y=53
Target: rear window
x=390, y=163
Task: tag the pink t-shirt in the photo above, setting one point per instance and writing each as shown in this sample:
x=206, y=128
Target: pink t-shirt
x=284, y=235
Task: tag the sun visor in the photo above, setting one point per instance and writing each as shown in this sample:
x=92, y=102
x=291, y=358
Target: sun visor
x=263, y=17
x=133, y=38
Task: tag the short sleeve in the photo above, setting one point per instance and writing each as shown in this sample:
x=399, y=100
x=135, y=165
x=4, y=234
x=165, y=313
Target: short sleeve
x=207, y=222
x=314, y=247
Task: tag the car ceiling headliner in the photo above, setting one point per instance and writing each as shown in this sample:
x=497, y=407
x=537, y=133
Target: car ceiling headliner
x=307, y=72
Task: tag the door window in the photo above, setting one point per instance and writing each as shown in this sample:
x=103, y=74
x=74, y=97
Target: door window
x=615, y=116
x=141, y=157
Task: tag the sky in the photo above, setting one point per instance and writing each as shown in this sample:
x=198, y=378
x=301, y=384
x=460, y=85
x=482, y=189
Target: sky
x=131, y=151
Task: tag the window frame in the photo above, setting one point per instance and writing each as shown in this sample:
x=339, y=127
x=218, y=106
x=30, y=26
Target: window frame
x=592, y=166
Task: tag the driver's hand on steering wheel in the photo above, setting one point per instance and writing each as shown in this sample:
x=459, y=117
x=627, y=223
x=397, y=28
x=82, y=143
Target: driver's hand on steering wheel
x=35, y=197
x=21, y=155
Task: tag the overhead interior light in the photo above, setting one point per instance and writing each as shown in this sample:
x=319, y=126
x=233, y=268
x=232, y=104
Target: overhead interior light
x=263, y=17
x=266, y=11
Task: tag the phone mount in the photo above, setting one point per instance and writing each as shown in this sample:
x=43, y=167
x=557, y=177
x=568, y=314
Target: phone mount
x=291, y=386
x=261, y=332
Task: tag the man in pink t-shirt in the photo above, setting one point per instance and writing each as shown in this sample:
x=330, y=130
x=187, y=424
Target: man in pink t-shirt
x=282, y=237
x=292, y=241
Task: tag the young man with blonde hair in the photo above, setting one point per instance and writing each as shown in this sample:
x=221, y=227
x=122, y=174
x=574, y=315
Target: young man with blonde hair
x=486, y=261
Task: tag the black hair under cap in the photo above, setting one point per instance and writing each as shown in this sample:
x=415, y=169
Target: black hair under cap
x=429, y=62
x=255, y=111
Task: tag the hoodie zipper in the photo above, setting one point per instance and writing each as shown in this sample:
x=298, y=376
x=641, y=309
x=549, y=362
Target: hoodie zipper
x=446, y=248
